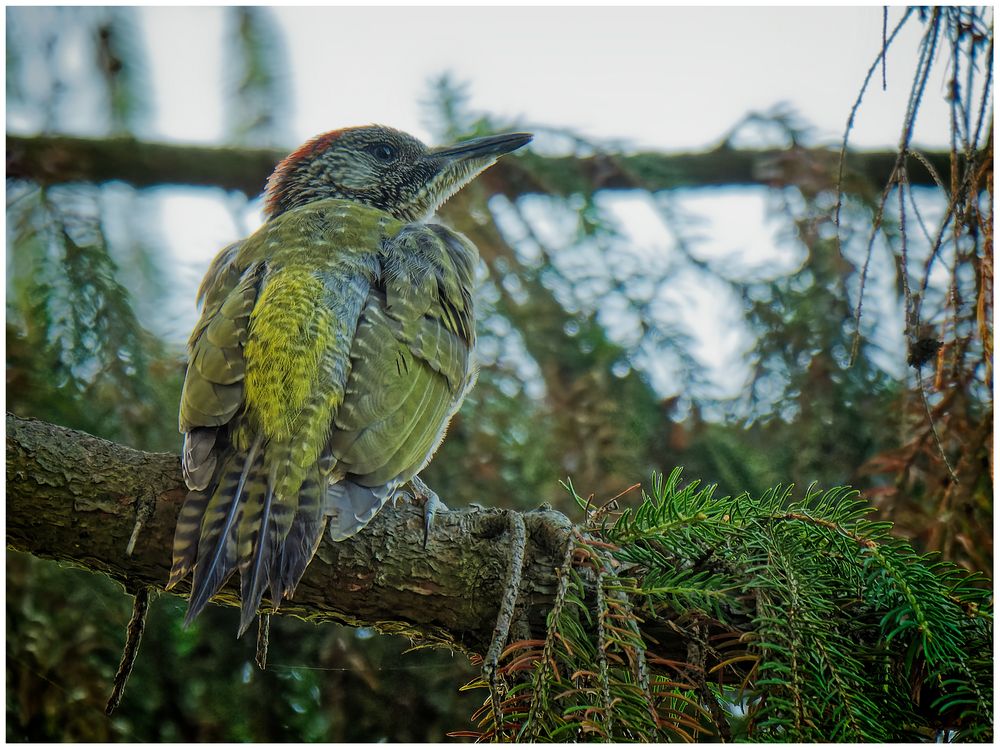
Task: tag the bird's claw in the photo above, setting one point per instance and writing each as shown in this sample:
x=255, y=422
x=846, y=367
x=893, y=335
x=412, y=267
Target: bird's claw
x=432, y=503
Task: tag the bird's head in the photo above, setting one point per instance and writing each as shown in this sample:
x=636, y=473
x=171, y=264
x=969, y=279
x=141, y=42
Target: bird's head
x=383, y=168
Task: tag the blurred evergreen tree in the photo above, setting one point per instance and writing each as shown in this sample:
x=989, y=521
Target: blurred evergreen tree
x=577, y=326
x=258, y=113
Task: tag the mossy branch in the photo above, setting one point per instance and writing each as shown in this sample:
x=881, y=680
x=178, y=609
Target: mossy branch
x=75, y=498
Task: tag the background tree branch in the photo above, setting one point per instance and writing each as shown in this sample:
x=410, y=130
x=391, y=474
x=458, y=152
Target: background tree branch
x=50, y=160
x=75, y=498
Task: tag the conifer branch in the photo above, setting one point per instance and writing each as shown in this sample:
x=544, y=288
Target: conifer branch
x=810, y=599
x=58, y=159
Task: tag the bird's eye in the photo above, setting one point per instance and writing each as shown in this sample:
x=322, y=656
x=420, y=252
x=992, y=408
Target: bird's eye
x=382, y=151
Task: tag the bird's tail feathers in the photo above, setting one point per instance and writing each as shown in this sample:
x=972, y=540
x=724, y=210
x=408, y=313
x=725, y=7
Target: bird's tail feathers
x=304, y=536
x=257, y=548
x=243, y=522
x=187, y=534
x=218, y=544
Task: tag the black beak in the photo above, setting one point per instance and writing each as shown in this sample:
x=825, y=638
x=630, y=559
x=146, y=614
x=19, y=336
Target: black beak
x=488, y=146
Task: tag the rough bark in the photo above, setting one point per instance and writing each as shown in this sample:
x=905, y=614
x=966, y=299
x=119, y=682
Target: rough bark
x=51, y=160
x=75, y=498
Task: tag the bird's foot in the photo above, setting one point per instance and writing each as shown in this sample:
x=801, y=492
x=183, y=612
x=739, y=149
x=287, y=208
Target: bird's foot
x=432, y=503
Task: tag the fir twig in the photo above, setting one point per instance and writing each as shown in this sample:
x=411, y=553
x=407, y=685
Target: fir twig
x=539, y=695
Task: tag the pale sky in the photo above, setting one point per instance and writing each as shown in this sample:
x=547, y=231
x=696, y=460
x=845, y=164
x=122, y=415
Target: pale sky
x=667, y=78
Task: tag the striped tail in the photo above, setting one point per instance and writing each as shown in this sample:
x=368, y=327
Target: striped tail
x=186, y=535
x=217, y=545
x=241, y=523
x=257, y=538
x=304, y=536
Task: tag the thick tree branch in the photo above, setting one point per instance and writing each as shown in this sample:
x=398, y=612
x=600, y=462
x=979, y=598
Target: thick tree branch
x=75, y=498
x=51, y=160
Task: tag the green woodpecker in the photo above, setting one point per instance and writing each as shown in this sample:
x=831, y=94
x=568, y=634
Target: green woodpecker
x=334, y=345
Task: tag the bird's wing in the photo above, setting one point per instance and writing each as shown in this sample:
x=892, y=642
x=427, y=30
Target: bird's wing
x=213, y=389
x=213, y=382
x=411, y=366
